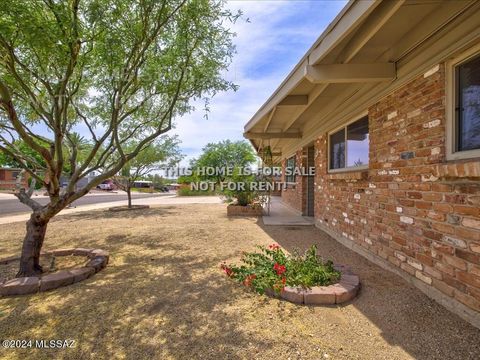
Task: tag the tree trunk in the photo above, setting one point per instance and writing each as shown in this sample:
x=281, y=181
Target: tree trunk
x=32, y=245
x=129, y=195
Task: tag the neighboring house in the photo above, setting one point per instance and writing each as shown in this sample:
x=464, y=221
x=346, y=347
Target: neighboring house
x=386, y=107
x=8, y=178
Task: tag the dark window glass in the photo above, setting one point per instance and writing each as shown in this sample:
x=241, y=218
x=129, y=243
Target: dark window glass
x=357, y=143
x=337, y=150
x=468, y=105
x=291, y=167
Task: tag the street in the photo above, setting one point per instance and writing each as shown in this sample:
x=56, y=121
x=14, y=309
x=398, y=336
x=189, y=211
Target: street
x=12, y=205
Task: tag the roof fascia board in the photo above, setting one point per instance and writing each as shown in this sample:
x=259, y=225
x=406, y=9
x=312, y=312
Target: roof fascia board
x=343, y=28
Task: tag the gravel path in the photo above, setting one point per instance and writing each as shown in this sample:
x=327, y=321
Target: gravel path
x=163, y=296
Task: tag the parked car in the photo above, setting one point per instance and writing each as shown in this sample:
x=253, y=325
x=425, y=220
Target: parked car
x=106, y=185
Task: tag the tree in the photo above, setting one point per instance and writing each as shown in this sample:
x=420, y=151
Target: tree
x=223, y=155
x=162, y=153
x=115, y=71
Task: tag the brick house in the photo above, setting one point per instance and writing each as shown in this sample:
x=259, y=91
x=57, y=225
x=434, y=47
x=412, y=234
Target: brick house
x=386, y=107
x=8, y=178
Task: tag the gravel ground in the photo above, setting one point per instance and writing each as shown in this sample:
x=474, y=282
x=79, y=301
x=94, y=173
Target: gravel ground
x=163, y=296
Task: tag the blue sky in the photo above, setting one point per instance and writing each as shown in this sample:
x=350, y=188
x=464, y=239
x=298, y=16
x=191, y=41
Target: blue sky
x=268, y=46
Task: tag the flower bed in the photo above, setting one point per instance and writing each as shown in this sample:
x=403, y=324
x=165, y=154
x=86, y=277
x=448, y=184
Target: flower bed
x=300, y=279
x=126, y=208
x=97, y=259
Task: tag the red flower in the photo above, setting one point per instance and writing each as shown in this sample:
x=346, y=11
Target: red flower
x=280, y=269
x=274, y=247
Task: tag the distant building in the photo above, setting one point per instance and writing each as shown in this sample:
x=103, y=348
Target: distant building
x=8, y=178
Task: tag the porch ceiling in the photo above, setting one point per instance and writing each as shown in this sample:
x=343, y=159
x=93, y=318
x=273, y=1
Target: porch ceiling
x=374, y=37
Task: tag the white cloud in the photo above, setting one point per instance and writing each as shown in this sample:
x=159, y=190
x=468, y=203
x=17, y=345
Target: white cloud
x=268, y=47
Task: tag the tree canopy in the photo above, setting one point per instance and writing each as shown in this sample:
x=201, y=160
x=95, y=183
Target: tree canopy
x=162, y=153
x=224, y=154
x=106, y=71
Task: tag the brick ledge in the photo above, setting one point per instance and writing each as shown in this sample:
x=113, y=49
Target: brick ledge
x=349, y=175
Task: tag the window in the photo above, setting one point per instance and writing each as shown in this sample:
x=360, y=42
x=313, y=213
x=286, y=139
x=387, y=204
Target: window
x=467, y=105
x=463, y=105
x=290, y=177
x=349, y=146
x=15, y=174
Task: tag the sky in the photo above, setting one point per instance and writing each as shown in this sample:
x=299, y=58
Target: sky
x=272, y=41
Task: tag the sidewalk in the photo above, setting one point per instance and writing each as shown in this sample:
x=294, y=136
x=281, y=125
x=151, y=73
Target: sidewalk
x=280, y=214
x=40, y=194
x=163, y=200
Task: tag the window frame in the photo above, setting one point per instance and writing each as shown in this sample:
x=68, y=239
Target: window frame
x=451, y=89
x=294, y=176
x=344, y=126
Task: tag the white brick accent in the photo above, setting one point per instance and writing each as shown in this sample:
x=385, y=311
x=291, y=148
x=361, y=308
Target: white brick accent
x=392, y=115
x=406, y=219
x=432, y=124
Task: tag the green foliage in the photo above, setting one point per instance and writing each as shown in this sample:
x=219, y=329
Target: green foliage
x=186, y=191
x=225, y=155
x=222, y=155
x=243, y=192
x=34, y=159
x=271, y=268
x=163, y=152
x=37, y=185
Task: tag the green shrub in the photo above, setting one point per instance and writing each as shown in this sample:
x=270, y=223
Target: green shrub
x=186, y=191
x=38, y=185
x=271, y=268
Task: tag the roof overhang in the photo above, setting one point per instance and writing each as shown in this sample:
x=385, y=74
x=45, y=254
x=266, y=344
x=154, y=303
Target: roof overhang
x=362, y=50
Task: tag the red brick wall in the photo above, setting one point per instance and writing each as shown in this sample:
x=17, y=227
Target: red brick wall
x=7, y=182
x=411, y=207
x=294, y=195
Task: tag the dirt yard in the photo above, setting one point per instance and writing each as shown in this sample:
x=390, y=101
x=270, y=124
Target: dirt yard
x=163, y=296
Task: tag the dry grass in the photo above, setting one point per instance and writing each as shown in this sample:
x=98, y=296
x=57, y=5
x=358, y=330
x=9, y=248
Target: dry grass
x=163, y=296
x=49, y=263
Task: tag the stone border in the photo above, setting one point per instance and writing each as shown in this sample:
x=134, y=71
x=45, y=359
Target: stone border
x=98, y=260
x=126, y=208
x=345, y=290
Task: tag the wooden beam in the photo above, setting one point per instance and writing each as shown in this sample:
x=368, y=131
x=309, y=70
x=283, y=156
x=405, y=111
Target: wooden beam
x=379, y=17
x=270, y=117
x=312, y=97
x=294, y=100
x=275, y=153
x=279, y=135
x=350, y=73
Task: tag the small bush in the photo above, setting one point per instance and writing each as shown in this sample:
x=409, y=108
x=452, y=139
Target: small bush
x=271, y=268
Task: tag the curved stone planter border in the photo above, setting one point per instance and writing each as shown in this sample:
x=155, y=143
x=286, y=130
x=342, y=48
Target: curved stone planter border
x=345, y=290
x=126, y=208
x=98, y=260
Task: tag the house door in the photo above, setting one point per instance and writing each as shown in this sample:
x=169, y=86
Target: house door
x=310, y=198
